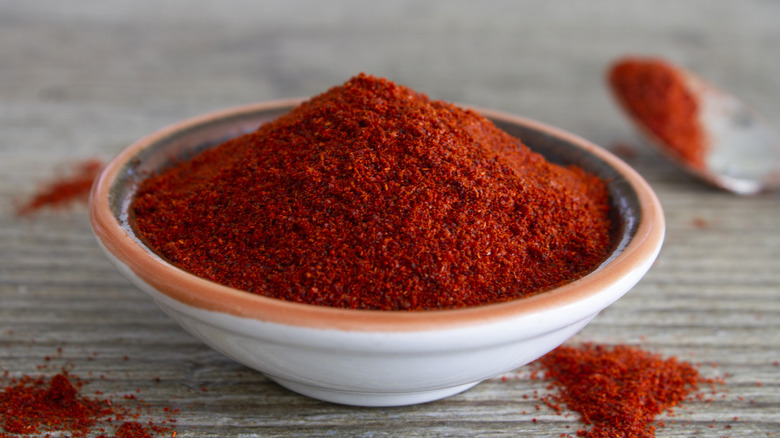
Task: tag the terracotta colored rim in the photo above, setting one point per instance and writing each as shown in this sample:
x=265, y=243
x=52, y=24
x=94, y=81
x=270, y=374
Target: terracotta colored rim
x=203, y=294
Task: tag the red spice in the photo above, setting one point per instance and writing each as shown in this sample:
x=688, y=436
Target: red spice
x=36, y=405
x=618, y=390
x=65, y=190
x=132, y=429
x=372, y=196
x=700, y=223
x=30, y=405
x=655, y=92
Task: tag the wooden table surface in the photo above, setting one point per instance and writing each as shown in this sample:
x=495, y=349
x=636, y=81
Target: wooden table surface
x=82, y=79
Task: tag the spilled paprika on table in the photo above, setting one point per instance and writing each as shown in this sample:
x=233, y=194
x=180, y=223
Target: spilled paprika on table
x=64, y=190
x=618, y=390
x=373, y=196
x=55, y=405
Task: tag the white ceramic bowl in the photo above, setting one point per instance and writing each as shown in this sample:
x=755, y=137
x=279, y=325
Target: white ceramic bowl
x=363, y=357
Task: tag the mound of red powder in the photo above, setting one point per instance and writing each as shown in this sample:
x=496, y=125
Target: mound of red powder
x=63, y=191
x=34, y=406
x=655, y=92
x=372, y=196
x=617, y=390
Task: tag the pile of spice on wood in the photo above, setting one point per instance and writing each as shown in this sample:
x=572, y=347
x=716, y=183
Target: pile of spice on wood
x=373, y=196
x=655, y=92
x=617, y=390
x=63, y=191
x=45, y=406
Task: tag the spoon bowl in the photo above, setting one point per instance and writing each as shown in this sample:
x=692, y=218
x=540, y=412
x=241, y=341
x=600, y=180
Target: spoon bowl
x=739, y=152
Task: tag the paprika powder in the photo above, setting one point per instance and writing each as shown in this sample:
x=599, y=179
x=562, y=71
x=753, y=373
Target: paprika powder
x=373, y=196
x=617, y=390
x=31, y=406
x=655, y=92
x=65, y=190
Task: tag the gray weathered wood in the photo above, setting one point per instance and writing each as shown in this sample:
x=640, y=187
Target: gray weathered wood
x=84, y=78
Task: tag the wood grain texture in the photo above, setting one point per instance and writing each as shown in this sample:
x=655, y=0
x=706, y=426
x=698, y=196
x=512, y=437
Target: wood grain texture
x=83, y=78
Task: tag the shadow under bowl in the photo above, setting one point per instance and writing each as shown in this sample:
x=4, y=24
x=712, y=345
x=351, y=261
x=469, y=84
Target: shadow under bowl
x=369, y=357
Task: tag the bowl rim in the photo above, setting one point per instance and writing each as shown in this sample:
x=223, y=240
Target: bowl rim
x=203, y=294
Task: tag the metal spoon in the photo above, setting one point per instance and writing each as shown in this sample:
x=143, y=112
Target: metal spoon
x=742, y=153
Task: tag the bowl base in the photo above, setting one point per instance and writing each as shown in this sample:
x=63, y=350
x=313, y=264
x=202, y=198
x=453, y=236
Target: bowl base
x=371, y=399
